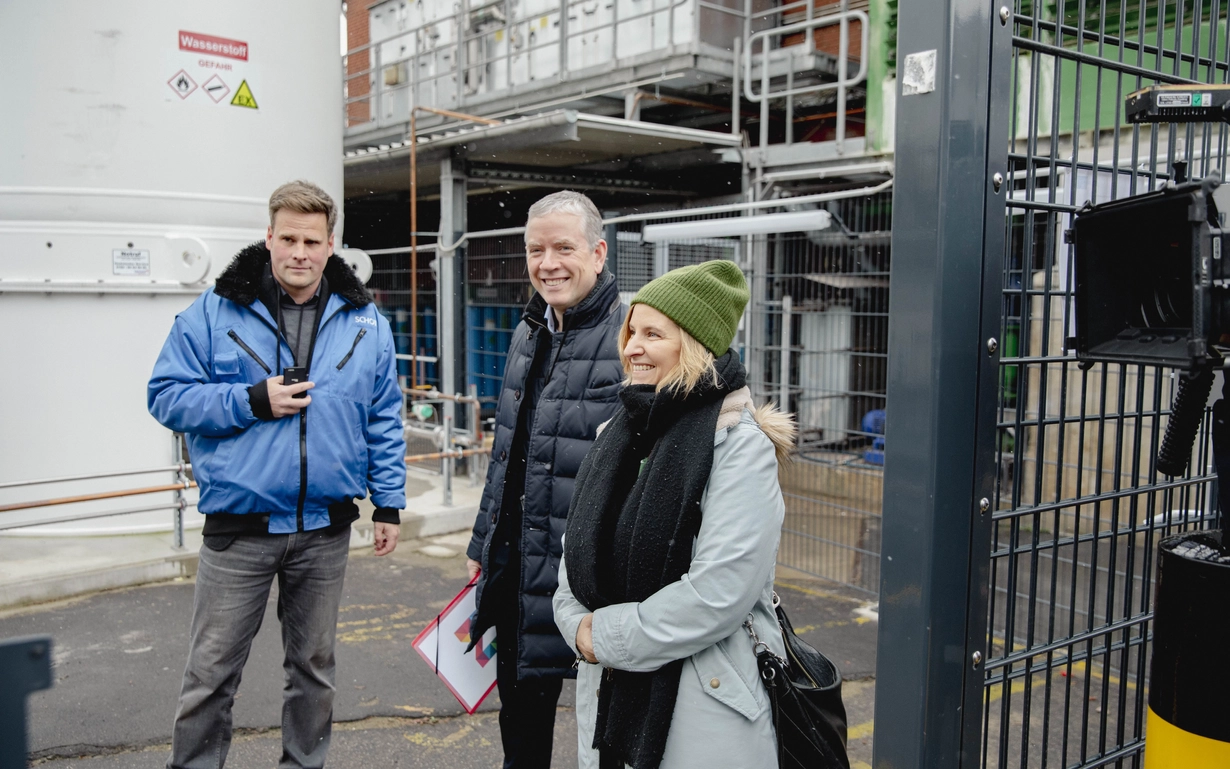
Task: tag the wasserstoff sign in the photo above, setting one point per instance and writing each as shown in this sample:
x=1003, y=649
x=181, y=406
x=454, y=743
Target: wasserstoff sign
x=214, y=46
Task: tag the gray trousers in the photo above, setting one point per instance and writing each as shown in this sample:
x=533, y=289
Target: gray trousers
x=232, y=588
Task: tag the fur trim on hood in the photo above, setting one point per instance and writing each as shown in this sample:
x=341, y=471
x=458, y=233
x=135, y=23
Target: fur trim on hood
x=240, y=282
x=778, y=426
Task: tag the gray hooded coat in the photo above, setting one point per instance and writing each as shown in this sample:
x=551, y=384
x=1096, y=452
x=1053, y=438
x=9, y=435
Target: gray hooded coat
x=722, y=716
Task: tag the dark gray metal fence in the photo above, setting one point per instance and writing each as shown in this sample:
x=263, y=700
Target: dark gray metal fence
x=1020, y=618
x=1078, y=506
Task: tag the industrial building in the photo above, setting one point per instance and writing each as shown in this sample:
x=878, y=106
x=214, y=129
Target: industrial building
x=662, y=111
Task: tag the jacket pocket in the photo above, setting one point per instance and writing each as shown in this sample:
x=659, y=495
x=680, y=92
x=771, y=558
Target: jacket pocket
x=235, y=337
x=227, y=369
x=720, y=678
x=353, y=345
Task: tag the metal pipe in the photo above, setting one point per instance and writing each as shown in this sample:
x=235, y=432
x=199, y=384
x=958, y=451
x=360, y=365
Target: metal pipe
x=181, y=501
x=93, y=476
x=95, y=496
x=563, y=40
x=679, y=101
x=508, y=29
x=413, y=458
x=730, y=207
x=476, y=427
x=85, y=516
x=378, y=90
x=734, y=88
x=790, y=101
x=725, y=208
x=448, y=461
x=414, y=236
x=843, y=55
x=434, y=394
x=614, y=31
x=783, y=388
x=764, y=89
x=462, y=65
x=414, y=213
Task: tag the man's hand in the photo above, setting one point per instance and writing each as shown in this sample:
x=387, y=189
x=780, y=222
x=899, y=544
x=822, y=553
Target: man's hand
x=585, y=638
x=281, y=397
x=474, y=567
x=386, y=534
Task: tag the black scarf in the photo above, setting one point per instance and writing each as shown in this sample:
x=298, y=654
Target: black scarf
x=634, y=514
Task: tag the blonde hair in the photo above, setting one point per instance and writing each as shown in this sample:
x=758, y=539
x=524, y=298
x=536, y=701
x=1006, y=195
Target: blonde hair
x=302, y=197
x=695, y=362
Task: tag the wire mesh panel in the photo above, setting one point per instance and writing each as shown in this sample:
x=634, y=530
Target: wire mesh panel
x=1079, y=505
x=825, y=306
x=497, y=289
x=390, y=285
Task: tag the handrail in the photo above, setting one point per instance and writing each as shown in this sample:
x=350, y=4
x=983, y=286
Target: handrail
x=465, y=36
x=89, y=516
x=94, y=476
x=803, y=26
x=455, y=454
x=96, y=496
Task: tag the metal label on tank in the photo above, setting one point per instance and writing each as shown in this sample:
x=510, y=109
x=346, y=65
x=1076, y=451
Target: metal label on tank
x=129, y=261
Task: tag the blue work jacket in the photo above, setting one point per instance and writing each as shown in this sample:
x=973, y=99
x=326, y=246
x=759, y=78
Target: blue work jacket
x=347, y=442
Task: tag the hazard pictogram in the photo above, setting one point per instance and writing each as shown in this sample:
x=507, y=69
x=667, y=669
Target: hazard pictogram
x=244, y=97
x=182, y=84
x=216, y=89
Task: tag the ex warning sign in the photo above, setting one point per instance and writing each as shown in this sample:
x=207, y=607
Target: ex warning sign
x=212, y=71
x=244, y=97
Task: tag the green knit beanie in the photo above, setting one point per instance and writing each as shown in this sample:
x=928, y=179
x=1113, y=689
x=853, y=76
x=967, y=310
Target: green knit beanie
x=706, y=300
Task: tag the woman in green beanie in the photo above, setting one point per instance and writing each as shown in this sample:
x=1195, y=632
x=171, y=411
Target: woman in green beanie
x=672, y=539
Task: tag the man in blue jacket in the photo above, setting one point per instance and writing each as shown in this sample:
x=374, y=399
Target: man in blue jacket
x=561, y=380
x=279, y=465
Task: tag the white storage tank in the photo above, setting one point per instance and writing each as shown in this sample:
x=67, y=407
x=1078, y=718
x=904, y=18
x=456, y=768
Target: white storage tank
x=137, y=153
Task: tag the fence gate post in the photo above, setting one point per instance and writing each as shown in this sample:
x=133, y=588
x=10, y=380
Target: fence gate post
x=938, y=365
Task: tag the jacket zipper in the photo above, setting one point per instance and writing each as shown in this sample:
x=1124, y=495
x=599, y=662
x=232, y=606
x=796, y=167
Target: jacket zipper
x=249, y=351
x=303, y=456
x=346, y=360
x=302, y=468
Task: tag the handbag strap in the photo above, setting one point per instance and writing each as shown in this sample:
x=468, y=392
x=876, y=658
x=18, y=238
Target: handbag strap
x=759, y=646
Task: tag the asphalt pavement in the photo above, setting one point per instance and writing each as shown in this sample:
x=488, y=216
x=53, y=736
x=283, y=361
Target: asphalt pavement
x=118, y=659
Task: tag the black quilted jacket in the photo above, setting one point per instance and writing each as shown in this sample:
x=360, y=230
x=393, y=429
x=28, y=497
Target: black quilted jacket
x=581, y=391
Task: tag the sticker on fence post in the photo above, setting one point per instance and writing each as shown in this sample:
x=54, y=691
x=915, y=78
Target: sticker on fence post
x=919, y=74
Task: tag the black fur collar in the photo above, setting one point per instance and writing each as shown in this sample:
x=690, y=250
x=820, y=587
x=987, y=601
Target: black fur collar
x=240, y=282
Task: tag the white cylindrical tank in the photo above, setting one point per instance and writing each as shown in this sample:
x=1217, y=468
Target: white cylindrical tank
x=138, y=150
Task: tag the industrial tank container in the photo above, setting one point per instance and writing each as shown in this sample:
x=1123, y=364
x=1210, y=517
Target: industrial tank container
x=139, y=146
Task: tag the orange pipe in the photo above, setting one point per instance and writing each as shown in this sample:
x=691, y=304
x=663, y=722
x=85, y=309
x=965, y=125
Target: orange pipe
x=92, y=497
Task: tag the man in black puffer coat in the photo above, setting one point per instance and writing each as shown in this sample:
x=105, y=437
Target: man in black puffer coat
x=561, y=380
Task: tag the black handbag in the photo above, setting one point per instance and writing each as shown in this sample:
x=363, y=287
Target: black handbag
x=805, y=695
